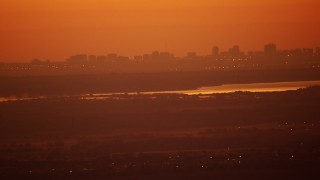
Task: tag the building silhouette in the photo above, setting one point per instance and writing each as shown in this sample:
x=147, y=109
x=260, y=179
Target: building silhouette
x=92, y=58
x=270, y=49
x=78, y=59
x=215, y=51
x=191, y=55
x=234, y=51
x=317, y=53
x=307, y=52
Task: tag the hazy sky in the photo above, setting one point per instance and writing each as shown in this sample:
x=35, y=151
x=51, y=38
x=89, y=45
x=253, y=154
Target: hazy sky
x=55, y=29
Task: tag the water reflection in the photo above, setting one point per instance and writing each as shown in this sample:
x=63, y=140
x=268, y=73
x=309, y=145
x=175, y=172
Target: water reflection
x=228, y=88
x=14, y=98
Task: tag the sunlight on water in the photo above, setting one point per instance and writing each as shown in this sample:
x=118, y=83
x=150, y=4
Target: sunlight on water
x=228, y=88
x=254, y=87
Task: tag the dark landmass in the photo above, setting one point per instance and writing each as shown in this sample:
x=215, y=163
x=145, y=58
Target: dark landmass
x=24, y=86
x=246, y=135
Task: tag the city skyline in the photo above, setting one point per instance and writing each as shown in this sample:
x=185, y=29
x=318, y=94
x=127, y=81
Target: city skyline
x=235, y=50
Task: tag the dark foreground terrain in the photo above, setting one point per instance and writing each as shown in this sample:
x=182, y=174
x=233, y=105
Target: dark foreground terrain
x=238, y=135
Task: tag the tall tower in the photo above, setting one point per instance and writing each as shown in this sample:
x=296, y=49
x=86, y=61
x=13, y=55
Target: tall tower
x=215, y=51
x=270, y=49
x=234, y=51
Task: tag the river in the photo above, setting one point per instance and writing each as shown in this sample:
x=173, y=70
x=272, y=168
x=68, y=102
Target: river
x=226, y=88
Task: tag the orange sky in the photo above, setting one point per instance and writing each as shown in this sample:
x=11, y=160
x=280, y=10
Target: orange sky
x=55, y=29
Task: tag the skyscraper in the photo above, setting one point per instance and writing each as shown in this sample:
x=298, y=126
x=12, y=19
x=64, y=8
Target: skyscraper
x=270, y=49
x=215, y=51
x=234, y=51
